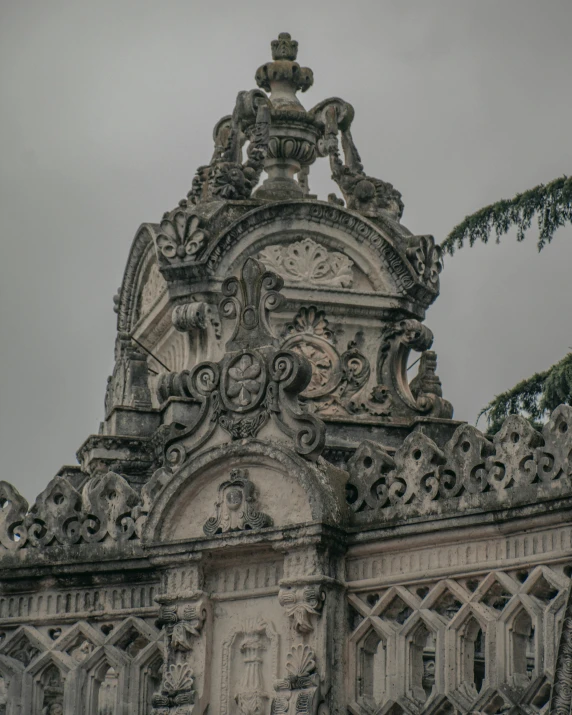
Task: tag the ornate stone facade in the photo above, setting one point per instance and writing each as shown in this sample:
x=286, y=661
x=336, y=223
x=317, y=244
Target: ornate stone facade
x=274, y=518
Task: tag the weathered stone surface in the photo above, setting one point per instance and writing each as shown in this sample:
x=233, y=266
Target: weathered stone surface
x=273, y=518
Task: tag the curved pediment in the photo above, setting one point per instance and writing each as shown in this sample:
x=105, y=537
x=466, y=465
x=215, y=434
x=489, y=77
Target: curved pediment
x=360, y=255
x=274, y=488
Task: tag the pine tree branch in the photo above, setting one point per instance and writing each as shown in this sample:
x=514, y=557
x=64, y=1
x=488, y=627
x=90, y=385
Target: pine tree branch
x=537, y=396
x=550, y=203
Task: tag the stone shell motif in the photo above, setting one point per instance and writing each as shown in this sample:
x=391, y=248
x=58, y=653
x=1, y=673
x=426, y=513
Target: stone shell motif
x=306, y=261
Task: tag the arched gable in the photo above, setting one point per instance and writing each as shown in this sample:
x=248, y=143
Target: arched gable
x=141, y=268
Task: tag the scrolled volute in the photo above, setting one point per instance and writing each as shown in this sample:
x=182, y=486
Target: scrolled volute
x=13, y=508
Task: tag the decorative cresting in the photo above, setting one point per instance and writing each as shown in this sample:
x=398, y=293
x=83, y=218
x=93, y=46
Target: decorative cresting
x=285, y=139
x=105, y=510
x=519, y=466
x=299, y=692
x=236, y=506
x=254, y=382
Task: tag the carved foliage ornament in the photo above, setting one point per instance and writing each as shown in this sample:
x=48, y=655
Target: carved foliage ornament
x=235, y=507
x=181, y=237
x=226, y=177
x=176, y=695
x=299, y=692
x=340, y=383
x=305, y=261
x=254, y=382
x=336, y=379
x=301, y=604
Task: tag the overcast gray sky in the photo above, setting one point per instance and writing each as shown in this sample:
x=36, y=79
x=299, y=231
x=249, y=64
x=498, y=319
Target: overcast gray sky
x=107, y=108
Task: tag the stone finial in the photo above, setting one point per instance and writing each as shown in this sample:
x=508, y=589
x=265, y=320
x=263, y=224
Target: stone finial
x=284, y=77
x=284, y=48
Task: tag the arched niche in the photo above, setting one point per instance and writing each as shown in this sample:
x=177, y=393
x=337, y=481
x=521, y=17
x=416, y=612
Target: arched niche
x=287, y=488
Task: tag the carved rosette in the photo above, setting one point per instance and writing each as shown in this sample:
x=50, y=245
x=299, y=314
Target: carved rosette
x=337, y=380
x=235, y=507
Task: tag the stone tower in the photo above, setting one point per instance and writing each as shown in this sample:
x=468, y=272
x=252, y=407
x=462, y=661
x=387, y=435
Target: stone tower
x=273, y=518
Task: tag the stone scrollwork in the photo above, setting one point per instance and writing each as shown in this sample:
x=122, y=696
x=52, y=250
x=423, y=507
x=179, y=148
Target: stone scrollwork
x=424, y=395
x=235, y=507
x=305, y=261
x=196, y=315
x=254, y=382
x=105, y=509
x=13, y=508
x=301, y=604
x=299, y=692
x=362, y=193
x=421, y=476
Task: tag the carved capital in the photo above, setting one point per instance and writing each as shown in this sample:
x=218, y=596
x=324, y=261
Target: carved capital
x=302, y=603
